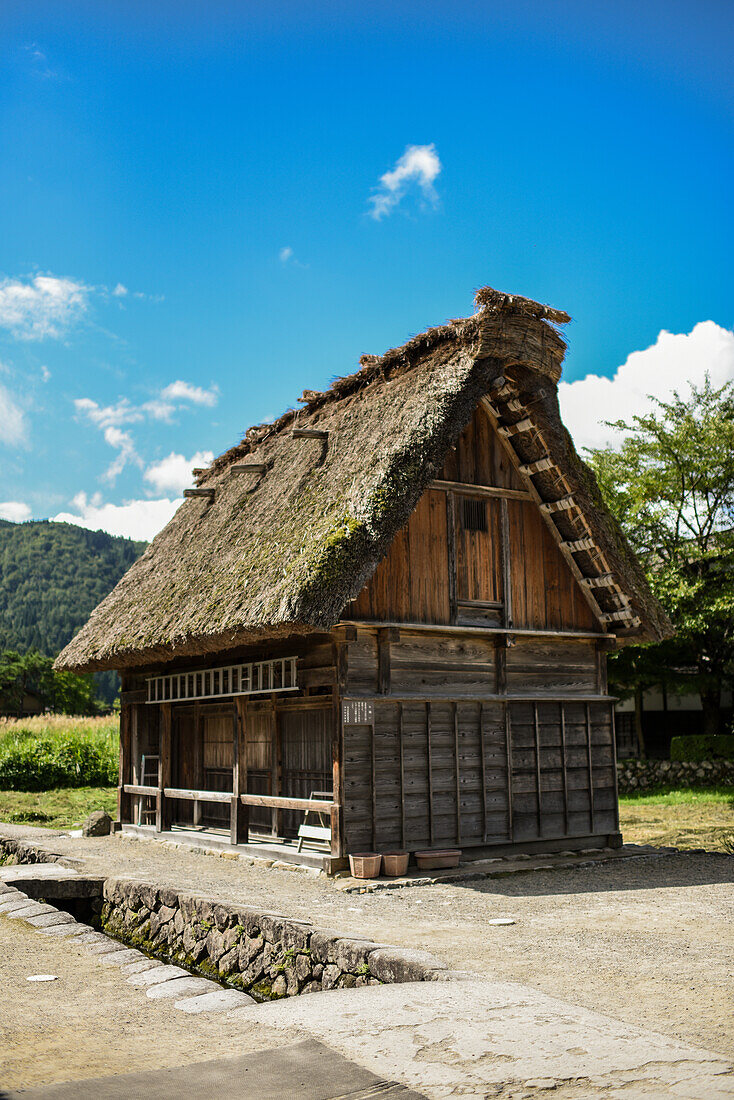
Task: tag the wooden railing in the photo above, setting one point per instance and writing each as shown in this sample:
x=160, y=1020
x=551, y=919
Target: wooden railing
x=239, y=806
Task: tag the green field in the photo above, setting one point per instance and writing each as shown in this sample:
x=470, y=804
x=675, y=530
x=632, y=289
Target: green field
x=680, y=818
x=61, y=808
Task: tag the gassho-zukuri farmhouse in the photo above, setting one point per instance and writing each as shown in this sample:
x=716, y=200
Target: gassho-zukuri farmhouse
x=396, y=602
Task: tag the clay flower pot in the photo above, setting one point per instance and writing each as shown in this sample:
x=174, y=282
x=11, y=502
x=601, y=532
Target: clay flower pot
x=395, y=864
x=365, y=864
x=438, y=857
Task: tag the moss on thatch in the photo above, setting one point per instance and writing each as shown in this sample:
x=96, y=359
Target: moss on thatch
x=285, y=551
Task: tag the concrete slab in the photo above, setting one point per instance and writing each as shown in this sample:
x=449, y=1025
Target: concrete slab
x=181, y=987
x=31, y=909
x=222, y=1000
x=159, y=974
x=35, y=871
x=124, y=957
x=495, y=1038
x=307, y=1070
x=54, y=916
x=139, y=967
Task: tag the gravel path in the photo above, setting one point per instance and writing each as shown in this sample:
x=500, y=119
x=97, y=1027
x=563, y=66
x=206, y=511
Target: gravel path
x=647, y=941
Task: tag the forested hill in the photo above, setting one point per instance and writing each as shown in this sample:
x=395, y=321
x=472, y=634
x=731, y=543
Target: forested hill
x=51, y=577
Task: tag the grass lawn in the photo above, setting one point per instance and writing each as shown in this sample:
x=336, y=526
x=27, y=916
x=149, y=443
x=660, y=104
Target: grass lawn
x=61, y=808
x=680, y=818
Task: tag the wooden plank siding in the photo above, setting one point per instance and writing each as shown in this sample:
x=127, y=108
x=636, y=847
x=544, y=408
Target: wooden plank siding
x=440, y=571
x=403, y=788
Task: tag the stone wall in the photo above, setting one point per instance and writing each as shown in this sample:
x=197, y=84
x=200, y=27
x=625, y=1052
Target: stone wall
x=264, y=954
x=636, y=775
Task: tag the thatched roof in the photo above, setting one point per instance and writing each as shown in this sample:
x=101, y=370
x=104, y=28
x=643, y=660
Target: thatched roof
x=284, y=549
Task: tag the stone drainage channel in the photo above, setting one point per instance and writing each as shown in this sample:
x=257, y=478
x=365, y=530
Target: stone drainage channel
x=209, y=954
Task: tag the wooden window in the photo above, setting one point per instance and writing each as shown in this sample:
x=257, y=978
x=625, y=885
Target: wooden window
x=474, y=514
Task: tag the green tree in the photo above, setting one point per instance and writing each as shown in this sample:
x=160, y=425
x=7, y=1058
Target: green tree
x=670, y=482
x=62, y=692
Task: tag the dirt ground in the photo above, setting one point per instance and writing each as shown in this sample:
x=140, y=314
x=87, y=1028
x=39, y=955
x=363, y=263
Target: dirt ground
x=648, y=940
x=56, y=1031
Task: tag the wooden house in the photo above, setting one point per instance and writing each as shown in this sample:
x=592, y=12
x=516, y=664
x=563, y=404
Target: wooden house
x=400, y=595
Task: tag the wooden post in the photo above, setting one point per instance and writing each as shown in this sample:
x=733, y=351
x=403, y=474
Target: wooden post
x=162, y=804
x=198, y=756
x=239, y=815
x=482, y=757
x=564, y=765
x=373, y=774
x=451, y=553
x=591, y=769
x=536, y=731
x=430, y=773
x=506, y=562
x=384, y=637
x=276, y=767
x=124, y=801
x=402, y=775
x=508, y=750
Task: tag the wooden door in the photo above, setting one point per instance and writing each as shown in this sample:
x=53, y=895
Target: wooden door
x=306, y=734
x=478, y=560
x=217, y=760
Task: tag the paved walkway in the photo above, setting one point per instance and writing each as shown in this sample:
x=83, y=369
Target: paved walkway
x=646, y=941
x=112, y=1009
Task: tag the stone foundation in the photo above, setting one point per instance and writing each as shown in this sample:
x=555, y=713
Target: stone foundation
x=264, y=954
x=636, y=775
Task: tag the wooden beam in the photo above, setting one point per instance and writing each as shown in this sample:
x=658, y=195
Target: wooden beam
x=537, y=467
x=208, y=493
x=337, y=785
x=487, y=605
x=197, y=796
x=373, y=784
x=557, y=537
x=563, y=505
x=309, y=433
x=248, y=468
x=136, y=788
x=478, y=631
x=507, y=430
x=465, y=488
x=276, y=802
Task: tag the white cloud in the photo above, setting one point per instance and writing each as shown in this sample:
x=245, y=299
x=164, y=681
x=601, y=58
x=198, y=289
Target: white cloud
x=13, y=426
x=45, y=374
x=173, y=473
x=43, y=307
x=135, y=519
x=285, y=254
x=418, y=165
x=14, y=510
x=120, y=291
x=184, y=391
x=673, y=362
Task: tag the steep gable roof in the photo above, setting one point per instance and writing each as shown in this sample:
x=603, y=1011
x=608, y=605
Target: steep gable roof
x=285, y=546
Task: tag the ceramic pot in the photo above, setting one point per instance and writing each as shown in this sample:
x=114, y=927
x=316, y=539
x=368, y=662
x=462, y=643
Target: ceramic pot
x=439, y=857
x=395, y=864
x=365, y=864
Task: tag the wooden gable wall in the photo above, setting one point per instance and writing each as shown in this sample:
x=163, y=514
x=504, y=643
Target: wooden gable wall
x=414, y=582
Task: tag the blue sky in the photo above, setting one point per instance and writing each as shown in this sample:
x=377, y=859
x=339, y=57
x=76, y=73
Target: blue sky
x=193, y=227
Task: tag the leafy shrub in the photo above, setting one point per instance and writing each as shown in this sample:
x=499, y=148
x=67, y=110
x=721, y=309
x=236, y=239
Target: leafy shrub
x=699, y=747
x=39, y=759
